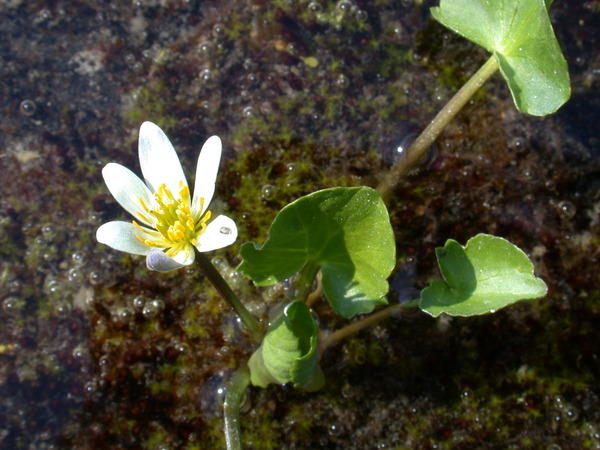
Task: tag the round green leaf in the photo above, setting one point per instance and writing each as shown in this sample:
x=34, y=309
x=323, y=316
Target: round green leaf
x=486, y=275
x=520, y=35
x=288, y=352
x=346, y=232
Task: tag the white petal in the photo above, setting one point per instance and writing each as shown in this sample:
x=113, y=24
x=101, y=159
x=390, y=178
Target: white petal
x=219, y=233
x=158, y=261
x=121, y=236
x=158, y=159
x=186, y=255
x=206, y=174
x=128, y=189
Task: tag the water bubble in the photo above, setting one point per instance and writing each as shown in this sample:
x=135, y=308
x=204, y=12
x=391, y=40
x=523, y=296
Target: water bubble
x=342, y=81
x=248, y=111
x=345, y=5
x=153, y=308
x=205, y=48
x=567, y=209
x=206, y=75
x=79, y=352
x=315, y=6
x=78, y=258
x=218, y=29
x=90, y=387
x=139, y=302
x=74, y=275
x=10, y=304
x=362, y=15
x=572, y=414
x=95, y=278
x=267, y=192
x=122, y=315
x=27, y=108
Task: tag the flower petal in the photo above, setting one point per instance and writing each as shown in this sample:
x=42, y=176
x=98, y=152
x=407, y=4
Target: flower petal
x=158, y=261
x=128, y=190
x=185, y=255
x=219, y=233
x=158, y=159
x=121, y=236
x=206, y=174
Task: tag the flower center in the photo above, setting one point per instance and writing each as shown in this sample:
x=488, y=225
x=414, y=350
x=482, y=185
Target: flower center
x=172, y=218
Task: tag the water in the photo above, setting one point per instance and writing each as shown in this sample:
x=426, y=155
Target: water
x=97, y=352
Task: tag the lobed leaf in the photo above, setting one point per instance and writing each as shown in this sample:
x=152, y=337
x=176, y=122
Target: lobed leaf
x=487, y=274
x=346, y=232
x=520, y=35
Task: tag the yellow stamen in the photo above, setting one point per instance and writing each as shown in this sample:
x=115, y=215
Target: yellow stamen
x=175, y=227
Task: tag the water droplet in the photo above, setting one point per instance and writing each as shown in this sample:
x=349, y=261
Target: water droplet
x=225, y=230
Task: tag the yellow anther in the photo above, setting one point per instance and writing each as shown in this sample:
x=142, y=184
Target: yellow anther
x=176, y=226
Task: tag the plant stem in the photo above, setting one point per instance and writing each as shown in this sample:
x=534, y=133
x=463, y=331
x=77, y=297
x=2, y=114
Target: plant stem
x=435, y=127
x=225, y=290
x=231, y=407
x=372, y=319
x=305, y=280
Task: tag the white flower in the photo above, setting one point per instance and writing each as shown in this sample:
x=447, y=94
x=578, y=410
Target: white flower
x=169, y=224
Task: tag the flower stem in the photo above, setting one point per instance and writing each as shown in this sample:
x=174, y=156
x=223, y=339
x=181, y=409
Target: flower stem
x=225, y=290
x=435, y=127
x=305, y=280
x=231, y=407
x=372, y=319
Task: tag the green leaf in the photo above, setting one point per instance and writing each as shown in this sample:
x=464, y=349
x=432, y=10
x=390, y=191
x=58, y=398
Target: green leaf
x=288, y=352
x=520, y=35
x=486, y=275
x=346, y=232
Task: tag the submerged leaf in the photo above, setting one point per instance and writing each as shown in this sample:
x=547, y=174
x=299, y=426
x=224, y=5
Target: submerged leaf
x=520, y=35
x=288, y=352
x=487, y=274
x=346, y=232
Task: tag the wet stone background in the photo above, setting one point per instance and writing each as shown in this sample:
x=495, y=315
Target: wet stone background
x=96, y=352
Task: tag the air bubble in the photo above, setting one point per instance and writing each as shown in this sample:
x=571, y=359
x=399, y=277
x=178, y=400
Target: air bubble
x=248, y=111
x=267, y=192
x=567, y=209
x=78, y=258
x=342, y=81
x=153, y=308
x=74, y=275
x=206, y=75
x=10, y=304
x=315, y=6
x=345, y=5
x=139, y=302
x=362, y=15
x=27, y=108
